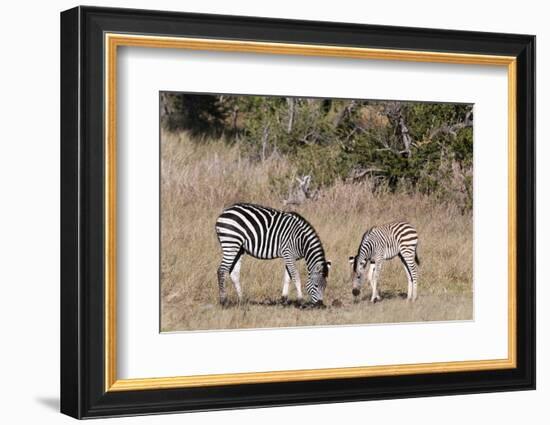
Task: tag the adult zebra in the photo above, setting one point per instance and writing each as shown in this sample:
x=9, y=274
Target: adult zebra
x=384, y=243
x=266, y=233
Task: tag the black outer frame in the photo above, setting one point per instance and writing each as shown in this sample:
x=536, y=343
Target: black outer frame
x=82, y=219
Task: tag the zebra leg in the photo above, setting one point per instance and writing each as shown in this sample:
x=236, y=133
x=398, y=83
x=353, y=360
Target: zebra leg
x=369, y=273
x=374, y=282
x=229, y=260
x=298, y=284
x=222, y=271
x=235, y=277
x=286, y=284
x=409, y=287
x=290, y=266
x=414, y=277
x=407, y=258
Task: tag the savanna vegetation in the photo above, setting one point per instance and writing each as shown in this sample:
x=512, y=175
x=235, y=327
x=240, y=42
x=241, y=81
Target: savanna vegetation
x=345, y=165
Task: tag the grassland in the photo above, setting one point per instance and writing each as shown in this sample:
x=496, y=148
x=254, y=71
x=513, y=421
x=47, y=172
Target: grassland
x=199, y=179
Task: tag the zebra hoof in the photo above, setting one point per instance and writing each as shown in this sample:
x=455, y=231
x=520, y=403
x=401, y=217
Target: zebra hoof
x=284, y=300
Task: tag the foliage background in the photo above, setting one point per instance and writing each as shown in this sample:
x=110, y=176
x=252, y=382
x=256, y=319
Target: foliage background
x=400, y=146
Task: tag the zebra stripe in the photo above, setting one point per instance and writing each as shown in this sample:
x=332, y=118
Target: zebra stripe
x=382, y=243
x=266, y=233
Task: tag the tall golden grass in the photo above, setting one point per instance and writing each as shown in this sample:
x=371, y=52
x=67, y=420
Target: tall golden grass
x=199, y=179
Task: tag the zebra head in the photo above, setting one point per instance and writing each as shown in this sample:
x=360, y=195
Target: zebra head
x=317, y=282
x=360, y=268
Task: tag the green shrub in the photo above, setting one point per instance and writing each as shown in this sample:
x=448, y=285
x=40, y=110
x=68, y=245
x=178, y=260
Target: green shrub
x=413, y=146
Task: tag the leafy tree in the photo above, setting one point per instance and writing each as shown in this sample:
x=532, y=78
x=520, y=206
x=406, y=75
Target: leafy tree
x=420, y=146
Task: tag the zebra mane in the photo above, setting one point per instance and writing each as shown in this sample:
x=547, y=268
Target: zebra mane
x=366, y=234
x=305, y=221
x=355, y=262
x=250, y=204
x=301, y=218
x=363, y=238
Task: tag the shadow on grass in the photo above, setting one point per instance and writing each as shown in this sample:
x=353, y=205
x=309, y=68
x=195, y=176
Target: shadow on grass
x=386, y=295
x=270, y=302
x=336, y=304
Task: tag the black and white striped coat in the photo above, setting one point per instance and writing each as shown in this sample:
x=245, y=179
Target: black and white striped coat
x=382, y=243
x=266, y=233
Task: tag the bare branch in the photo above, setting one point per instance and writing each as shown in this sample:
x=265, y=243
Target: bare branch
x=298, y=195
x=291, y=111
x=454, y=128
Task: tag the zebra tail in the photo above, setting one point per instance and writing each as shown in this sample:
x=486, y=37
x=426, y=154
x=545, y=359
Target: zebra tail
x=416, y=259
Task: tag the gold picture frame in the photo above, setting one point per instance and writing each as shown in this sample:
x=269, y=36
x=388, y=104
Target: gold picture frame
x=114, y=41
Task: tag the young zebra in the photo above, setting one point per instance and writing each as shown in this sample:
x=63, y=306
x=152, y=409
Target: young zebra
x=266, y=233
x=384, y=243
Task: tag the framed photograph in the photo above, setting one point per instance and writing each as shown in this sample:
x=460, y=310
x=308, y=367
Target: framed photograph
x=261, y=212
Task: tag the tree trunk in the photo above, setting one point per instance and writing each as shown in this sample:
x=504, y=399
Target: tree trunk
x=291, y=111
x=265, y=139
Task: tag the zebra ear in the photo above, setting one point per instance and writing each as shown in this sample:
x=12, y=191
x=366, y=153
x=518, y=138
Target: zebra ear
x=351, y=259
x=329, y=264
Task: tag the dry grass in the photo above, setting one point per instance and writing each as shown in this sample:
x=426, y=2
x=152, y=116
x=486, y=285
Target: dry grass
x=199, y=179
